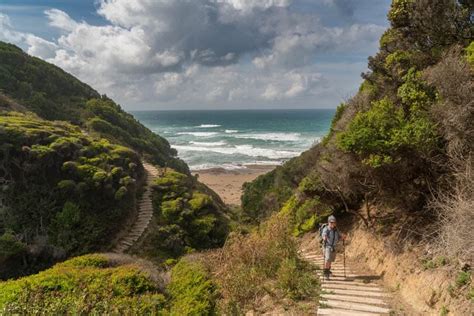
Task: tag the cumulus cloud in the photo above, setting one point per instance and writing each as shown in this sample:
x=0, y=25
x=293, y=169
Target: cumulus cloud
x=198, y=51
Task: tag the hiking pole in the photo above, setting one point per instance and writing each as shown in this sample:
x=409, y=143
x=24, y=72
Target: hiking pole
x=344, y=256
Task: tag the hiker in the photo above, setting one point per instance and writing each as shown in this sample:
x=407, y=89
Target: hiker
x=330, y=235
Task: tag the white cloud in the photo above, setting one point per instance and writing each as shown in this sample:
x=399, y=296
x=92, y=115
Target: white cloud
x=61, y=20
x=252, y=4
x=198, y=51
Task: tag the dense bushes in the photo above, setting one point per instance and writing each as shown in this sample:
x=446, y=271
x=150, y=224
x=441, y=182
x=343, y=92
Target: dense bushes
x=110, y=121
x=186, y=217
x=84, y=285
x=263, y=262
x=269, y=192
x=392, y=142
x=61, y=184
x=97, y=284
x=45, y=89
x=191, y=290
x=54, y=94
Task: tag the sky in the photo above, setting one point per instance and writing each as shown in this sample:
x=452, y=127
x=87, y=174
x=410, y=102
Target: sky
x=204, y=54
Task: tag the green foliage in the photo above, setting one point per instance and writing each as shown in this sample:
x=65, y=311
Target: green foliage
x=470, y=54
x=187, y=217
x=86, y=261
x=44, y=88
x=191, y=289
x=416, y=96
x=10, y=246
x=399, y=14
x=337, y=116
x=250, y=265
x=434, y=263
x=463, y=278
x=384, y=133
x=52, y=166
x=304, y=214
x=444, y=311
x=83, y=285
x=296, y=279
x=110, y=121
x=54, y=94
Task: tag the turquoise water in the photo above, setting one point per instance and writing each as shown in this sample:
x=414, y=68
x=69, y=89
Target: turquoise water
x=234, y=139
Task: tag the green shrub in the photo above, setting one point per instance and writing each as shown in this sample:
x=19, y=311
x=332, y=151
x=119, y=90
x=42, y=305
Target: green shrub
x=470, y=53
x=463, y=278
x=297, y=281
x=121, y=193
x=199, y=201
x=66, y=192
x=10, y=246
x=380, y=134
x=266, y=259
x=83, y=285
x=186, y=217
x=91, y=261
x=191, y=289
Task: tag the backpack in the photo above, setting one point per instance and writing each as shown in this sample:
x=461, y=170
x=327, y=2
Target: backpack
x=321, y=229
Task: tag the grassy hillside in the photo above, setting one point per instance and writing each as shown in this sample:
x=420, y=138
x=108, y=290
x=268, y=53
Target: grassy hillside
x=63, y=191
x=53, y=94
x=70, y=171
x=112, y=285
x=186, y=218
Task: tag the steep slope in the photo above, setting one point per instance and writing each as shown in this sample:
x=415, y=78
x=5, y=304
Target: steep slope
x=53, y=94
x=398, y=157
x=186, y=217
x=71, y=169
x=144, y=216
x=63, y=191
x=398, y=137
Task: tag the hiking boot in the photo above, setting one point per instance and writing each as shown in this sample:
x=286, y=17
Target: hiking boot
x=326, y=274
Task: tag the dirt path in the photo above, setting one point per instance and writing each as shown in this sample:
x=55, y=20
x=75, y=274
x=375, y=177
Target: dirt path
x=145, y=213
x=354, y=294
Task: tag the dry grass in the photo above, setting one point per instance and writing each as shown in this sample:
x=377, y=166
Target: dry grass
x=250, y=267
x=453, y=78
x=456, y=212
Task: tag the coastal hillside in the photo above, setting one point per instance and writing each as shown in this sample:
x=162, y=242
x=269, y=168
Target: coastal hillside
x=397, y=162
x=72, y=174
x=29, y=83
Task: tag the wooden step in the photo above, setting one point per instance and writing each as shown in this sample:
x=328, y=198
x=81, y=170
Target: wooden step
x=351, y=287
x=354, y=299
x=356, y=306
x=343, y=312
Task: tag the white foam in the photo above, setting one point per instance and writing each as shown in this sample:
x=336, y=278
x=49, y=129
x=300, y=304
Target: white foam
x=231, y=131
x=264, y=163
x=284, y=137
x=198, y=134
x=246, y=150
x=210, y=144
x=226, y=166
x=207, y=125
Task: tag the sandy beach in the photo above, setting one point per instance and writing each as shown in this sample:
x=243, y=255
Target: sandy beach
x=228, y=183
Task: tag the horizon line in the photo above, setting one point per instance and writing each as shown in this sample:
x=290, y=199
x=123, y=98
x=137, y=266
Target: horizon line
x=222, y=110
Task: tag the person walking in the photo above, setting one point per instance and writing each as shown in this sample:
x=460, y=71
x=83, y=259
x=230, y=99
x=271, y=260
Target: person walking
x=330, y=236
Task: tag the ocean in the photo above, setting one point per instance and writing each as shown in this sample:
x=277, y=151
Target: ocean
x=234, y=139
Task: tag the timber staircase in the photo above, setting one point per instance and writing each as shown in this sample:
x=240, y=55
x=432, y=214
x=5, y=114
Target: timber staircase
x=354, y=295
x=145, y=213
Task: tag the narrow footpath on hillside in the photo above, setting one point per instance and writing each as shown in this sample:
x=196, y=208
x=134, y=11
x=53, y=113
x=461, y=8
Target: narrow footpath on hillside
x=355, y=294
x=145, y=213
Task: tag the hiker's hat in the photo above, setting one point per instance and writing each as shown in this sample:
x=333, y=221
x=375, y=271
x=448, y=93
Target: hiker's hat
x=331, y=219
